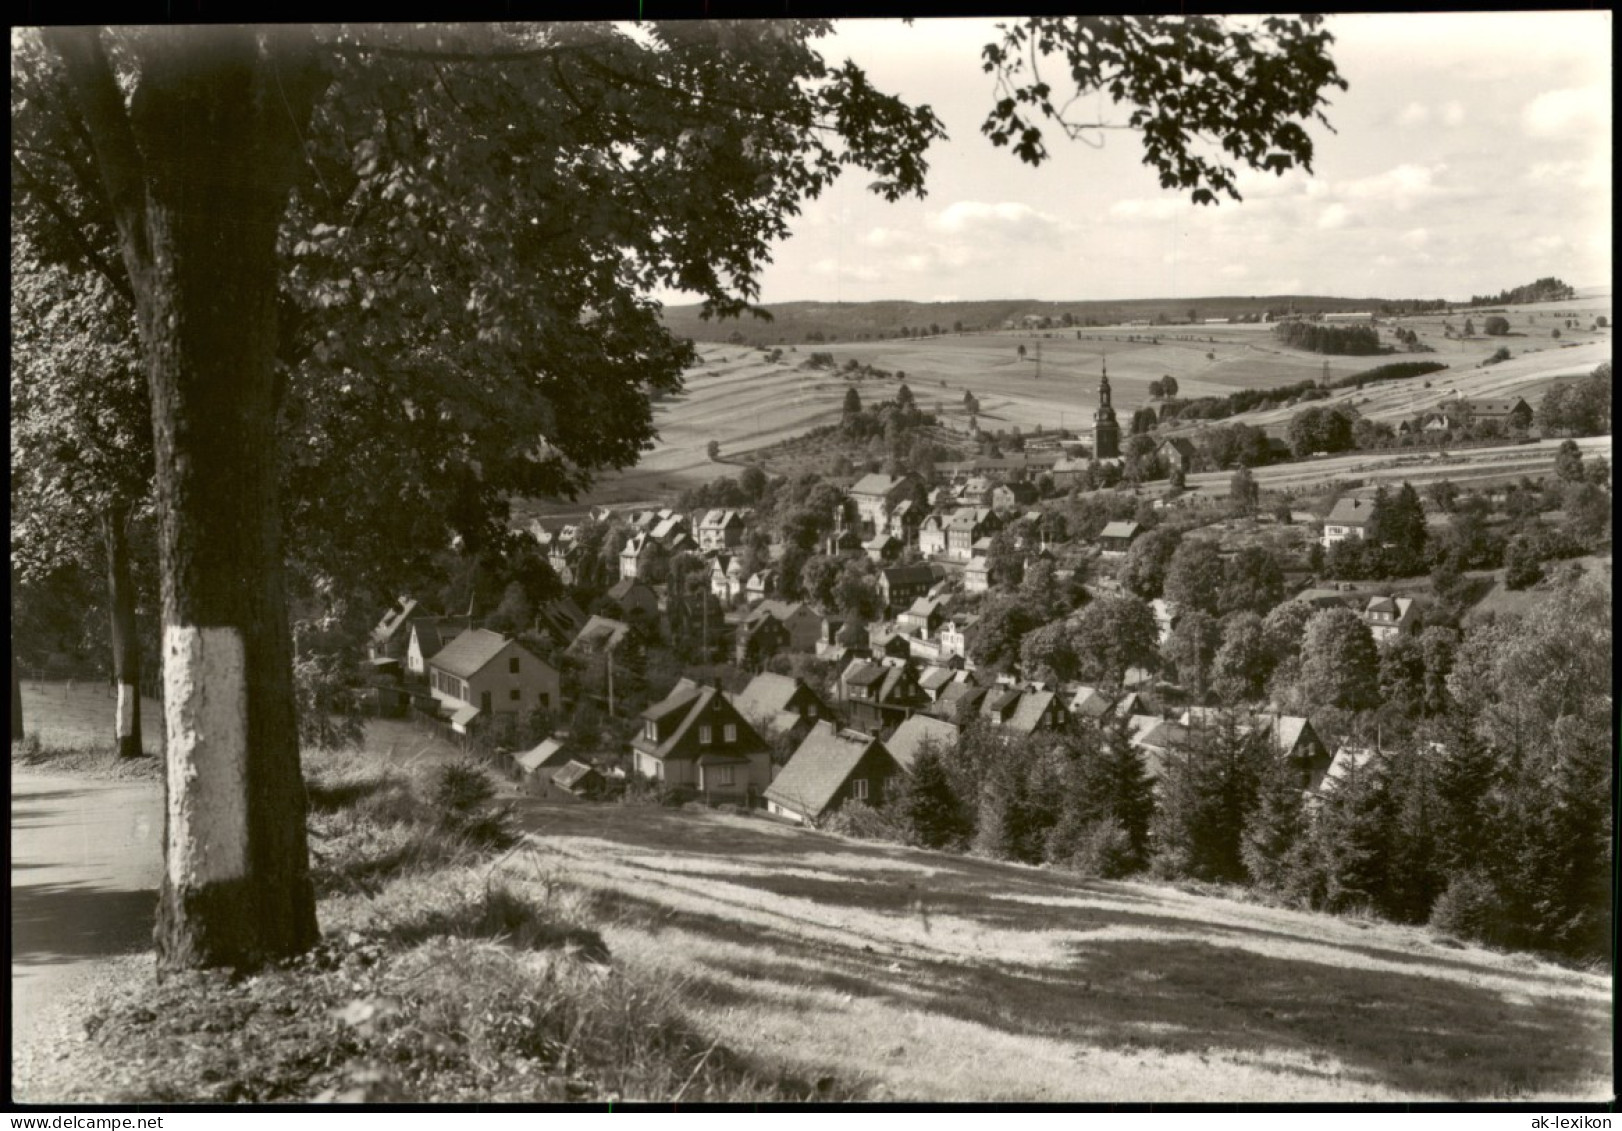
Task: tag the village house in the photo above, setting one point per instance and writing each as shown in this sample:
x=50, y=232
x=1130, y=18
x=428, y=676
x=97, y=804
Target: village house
x=883, y=548
x=780, y=704
x=1348, y=518
x=426, y=636
x=757, y=639
x=565, y=558
x=900, y=586
x=878, y=696
x=577, y=779
x=917, y=730
x=561, y=620
x=727, y=579
x=829, y=768
x=761, y=584
x=1388, y=617
x=534, y=767
x=1116, y=538
x=720, y=530
x=481, y=673
x=875, y=496
x=958, y=702
x=932, y=535
x=905, y=520
x=935, y=678
x=597, y=634
x=1176, y=453
x=391, y=635
x=630, y=595
x=670, y=526
x=954, y=635
x=638, y=556
x=977, y=575
x=1007, y=497
x=967, y=527
x=695, y=740
x=1513, y=414
x=804, y=624
x=923, y=617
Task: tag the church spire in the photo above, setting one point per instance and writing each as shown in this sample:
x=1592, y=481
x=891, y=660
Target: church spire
x=1103, y=384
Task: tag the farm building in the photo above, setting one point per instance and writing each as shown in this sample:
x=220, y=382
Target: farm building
x=911, y=735
x=1390, y=616
x=878, y=696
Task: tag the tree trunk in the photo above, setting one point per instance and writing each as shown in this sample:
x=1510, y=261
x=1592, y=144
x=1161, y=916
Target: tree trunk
x=198, y=171
x=126, y=649
x=16, y=678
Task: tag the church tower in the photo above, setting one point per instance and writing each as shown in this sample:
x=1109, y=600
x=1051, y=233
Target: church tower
x=1106, y=430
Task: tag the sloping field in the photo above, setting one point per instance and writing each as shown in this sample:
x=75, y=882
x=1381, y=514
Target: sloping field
x=926, y=976
x=744, y=402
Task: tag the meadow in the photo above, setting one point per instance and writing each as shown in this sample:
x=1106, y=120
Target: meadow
x=924, y=976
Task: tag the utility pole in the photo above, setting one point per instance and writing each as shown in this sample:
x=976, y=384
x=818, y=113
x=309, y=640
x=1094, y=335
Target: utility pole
x=1038, y=361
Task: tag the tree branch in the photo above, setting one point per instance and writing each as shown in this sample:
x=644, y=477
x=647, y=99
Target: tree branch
x=118, y=157
x=119, y=280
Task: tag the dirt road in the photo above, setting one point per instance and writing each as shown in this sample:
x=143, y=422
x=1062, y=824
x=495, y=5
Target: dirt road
x=86, y=857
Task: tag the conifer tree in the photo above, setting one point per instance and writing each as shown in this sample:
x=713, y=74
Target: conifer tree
x=927, y=807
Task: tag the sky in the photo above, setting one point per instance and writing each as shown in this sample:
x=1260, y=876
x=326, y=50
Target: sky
x=1471, y=153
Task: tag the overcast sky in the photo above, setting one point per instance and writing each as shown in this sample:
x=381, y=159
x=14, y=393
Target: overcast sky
x=1472, y=152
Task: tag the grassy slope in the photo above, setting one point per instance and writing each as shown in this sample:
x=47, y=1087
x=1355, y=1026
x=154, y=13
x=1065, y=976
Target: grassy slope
x=947, y=978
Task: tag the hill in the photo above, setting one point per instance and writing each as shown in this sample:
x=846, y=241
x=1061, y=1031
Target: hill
x=795, y=323
x=934, y=977
x=745, y=402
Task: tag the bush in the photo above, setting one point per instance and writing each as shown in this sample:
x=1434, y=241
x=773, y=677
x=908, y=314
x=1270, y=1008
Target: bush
x=461, y=796
x=1468, y=909
x=1102, y=851
x=1496, y=326
x=860, y=820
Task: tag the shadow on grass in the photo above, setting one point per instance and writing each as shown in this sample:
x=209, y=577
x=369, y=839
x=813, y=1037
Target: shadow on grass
x=1297, y=1018
x=330, y=797
x=68, y=922
x=987, y=892
x=1199, y=988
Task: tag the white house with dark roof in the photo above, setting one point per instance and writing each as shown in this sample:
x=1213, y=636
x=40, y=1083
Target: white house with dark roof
x=829, y=768
x=932, y=536
x=481, y=673
x=1348, y=518
x=1389, y=617
x=720, y=529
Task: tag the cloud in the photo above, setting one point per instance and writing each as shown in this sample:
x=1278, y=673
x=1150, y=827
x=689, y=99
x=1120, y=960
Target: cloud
x=1147, y=208
x=1013, y=220
x=1414, y=114
x=1335, y=216
x=1400, y=187
x=1589, y=173
x=1453, y=114
x=1556, y=114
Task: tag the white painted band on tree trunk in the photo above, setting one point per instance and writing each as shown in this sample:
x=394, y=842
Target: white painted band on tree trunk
x=126, y=709
x=205, y=713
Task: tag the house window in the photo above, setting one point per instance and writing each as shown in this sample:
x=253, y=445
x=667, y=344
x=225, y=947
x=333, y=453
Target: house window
x=546, y=700
x=858, y=789
x=704, y=736
x=512, y=665
x=513, y=694
x=729, y=733
x=811, y=710
x=723, y=775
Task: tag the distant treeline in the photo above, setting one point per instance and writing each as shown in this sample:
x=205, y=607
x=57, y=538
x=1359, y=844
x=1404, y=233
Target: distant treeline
x=1547, y=289
x=1356, y=341
x=1249, y=400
